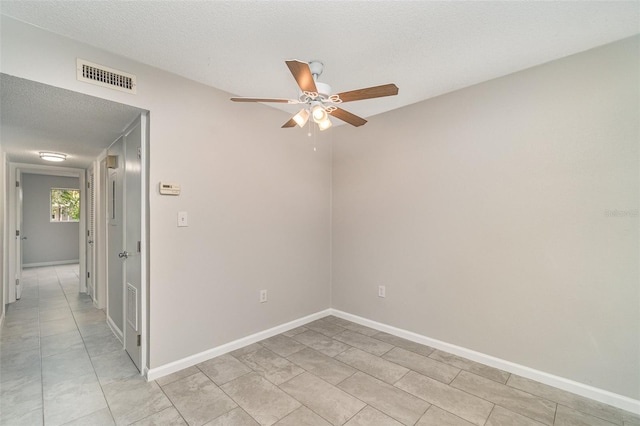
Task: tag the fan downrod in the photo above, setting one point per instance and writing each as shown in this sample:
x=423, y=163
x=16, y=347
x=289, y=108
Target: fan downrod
x=316, y=68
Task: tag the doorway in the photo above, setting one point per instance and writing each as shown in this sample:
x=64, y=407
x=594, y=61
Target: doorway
x=81, y=126
x=124, y=237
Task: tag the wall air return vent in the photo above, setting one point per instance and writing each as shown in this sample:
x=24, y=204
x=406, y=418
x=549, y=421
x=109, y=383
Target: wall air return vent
x=105, y=77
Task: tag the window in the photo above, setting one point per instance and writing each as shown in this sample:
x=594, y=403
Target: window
x=65, y=205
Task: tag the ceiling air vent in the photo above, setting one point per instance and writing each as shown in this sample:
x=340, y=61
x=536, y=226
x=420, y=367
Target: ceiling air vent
x=105, y=77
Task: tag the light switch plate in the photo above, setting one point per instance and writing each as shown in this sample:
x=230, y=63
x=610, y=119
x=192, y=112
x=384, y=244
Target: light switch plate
x=183, y=219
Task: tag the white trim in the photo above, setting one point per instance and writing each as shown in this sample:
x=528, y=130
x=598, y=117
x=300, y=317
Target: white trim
x=144, y=238
x=172, y=367
x=52, y=263
x=601, y=395
x=4, y=181
x=115, y=330
x=12, y=225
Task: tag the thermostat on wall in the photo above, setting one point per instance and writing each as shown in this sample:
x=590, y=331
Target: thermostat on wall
x=169, y=188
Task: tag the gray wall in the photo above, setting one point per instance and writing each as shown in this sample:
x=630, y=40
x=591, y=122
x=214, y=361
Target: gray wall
x=258, y=199
x=487, y=214
x=46, y=241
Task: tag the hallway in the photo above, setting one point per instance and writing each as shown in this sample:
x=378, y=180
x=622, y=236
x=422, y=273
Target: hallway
x=59, y=360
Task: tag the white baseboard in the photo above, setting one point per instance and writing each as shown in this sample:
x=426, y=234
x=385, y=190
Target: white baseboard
x=606, y=397
x=53, y=263
x=172, y=367
x=115, y=330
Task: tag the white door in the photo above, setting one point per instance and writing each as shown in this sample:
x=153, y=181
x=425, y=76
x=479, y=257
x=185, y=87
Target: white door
x=91, y=258
x=19, y=234
x=115, y=247
x=132, y=242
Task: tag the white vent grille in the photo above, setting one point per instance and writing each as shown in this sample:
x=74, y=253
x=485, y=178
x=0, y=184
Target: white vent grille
x=132, y=306
x=105, y=77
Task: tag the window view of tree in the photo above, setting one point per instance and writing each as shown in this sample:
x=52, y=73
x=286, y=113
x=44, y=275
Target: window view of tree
x=65, y=205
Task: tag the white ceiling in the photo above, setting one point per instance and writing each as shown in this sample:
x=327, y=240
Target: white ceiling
x=36, y=117
x=426, y=47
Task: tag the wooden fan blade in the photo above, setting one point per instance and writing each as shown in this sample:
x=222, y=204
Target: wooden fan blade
x=290, y=123
x=369, y=93
x=346, y=116
x=302, y=74
x=281, y=101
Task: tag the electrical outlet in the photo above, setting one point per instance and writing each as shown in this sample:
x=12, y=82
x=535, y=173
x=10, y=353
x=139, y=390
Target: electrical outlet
x=263, y=296
x=382, y=291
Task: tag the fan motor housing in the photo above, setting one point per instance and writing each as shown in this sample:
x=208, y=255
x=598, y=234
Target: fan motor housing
x=323, y=89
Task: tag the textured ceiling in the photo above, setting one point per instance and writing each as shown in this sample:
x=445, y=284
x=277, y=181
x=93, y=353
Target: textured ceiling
x=32, y=120
x=426, y=47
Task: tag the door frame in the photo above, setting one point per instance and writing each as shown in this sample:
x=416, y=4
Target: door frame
x=14, y=170
x=103, y=256
x=90, y=246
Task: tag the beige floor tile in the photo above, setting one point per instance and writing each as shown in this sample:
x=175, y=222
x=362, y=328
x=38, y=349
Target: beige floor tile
x=392, y=401
x=630, y=419
x=462, y=404
x=27, y=418
x=113, y=367
x=223, y=369
x=515, y=400
x=282, y=345
x=198, y=399
x=577, y=402
x=404, y=343
x=474, y=367
x=337, y=321
x=361, y=329
x=369, y=416
x=438, y=417
x=58, y=368
x=102, y=343
x=98, y=418
x=167, y=417
x=373, y=365
x=71, y=399
x=422, y=364
x=326, y=400
x=295, y=331
x=20, y=396
x=134, y=399
x=322, y=366
x=503, y=417
x=271, y=366
x=186, y=372
x=569, y=417
x=261, y=399
x=303, y=417
x=246, y=349
x=327, y=328
x=235, y=417
x=61, y=343
x=321, y=343
x=18, y=343
x=365, y=343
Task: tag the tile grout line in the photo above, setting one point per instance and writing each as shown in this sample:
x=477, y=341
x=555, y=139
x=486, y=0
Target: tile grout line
x=172, y=404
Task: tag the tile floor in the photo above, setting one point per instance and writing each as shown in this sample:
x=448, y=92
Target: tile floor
x=61, y=364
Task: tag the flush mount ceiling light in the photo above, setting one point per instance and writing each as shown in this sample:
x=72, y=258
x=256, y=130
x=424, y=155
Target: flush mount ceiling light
x=318, y=100
x=53, y=156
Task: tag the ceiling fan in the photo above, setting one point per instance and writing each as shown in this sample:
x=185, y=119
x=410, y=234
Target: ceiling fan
x=317, y=99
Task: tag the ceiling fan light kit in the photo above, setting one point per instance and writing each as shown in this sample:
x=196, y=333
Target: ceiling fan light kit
x=318, y=100
x=302, y=117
